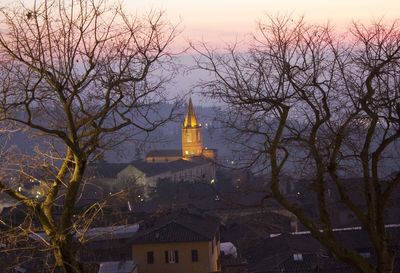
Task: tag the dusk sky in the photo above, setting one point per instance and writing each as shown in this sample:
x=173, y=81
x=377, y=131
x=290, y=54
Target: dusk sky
x=219, y=21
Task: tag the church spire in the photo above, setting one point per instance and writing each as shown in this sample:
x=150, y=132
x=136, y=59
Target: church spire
x=190, y=118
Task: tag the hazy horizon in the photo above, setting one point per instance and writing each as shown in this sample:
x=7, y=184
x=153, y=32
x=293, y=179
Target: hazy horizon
x=223, y=21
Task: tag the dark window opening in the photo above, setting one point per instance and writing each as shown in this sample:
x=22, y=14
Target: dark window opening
x=195, y=255
x=150, y=257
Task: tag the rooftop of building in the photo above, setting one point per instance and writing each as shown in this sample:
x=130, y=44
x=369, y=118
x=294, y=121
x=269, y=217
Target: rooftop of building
x=152, y=169
x=106, y=169
x=117, y=267
x=111, y=170
x=299, y=252
x=190, y=118
x=178, y=227
x=165, y=153
x=98, y=233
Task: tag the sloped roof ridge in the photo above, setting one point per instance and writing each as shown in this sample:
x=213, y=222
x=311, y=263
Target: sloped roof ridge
x=188, y=228
x=197, y=216
x=160, y=227
x=177, y=218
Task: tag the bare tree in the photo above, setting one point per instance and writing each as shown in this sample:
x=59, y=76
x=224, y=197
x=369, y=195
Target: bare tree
x=305, y=98
x=75, y=73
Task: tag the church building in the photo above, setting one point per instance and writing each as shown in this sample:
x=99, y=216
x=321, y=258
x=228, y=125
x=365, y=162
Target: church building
x=192, y=143
x=192, y=163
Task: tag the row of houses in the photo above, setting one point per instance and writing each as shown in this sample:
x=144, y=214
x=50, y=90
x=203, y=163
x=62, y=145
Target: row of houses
x=181, y=242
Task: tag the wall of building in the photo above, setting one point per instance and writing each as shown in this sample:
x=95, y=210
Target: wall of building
x=215, y=253
x=207, y=261
x=162, y=159
x=132, y=177
x=209, y=153
x=191, y=142
x=202, y=173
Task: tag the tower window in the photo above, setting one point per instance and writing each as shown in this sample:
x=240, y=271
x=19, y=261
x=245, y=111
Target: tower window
x=186, y=152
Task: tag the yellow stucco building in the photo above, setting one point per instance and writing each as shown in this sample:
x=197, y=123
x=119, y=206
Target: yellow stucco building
x=179, y=244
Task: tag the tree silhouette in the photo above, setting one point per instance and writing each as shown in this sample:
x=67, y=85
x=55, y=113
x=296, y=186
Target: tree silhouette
x=325, y=106
x=76, y=73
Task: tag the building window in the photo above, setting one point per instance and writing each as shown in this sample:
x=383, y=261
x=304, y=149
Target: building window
x=171, y=257
x=365, y=255
x=150, y=257
x=195, y=255
x=297, y=257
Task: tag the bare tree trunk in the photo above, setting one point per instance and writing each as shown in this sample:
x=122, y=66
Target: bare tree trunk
x=65, y=259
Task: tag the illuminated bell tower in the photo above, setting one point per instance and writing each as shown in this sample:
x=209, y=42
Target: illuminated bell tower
x=191, y=134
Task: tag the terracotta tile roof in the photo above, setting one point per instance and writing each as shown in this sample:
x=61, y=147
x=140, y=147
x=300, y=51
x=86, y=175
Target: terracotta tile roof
x=178, y=227
x=277, y=253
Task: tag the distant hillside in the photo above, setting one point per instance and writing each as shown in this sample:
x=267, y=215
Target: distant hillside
x=167, y=136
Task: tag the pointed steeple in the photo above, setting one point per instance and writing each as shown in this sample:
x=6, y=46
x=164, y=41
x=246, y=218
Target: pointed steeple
x=190, y=118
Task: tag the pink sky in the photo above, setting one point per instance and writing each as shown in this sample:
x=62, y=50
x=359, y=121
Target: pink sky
x=219, y=21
